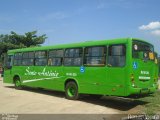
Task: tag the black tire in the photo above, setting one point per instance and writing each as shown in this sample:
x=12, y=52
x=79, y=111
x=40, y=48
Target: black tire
x=71, y=90
x=17, y=83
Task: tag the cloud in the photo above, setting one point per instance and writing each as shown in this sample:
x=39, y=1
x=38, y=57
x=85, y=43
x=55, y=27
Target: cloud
x=153, y=28
x=150, y=26
x=155, y=32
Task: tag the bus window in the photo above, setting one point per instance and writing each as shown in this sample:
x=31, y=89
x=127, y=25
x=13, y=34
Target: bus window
x=55, y=57
x=73, y=57
x=142, y=50
x=18, y=59
x=41, y=58
x=28, y=58
x=116, y=55
x=95, y=56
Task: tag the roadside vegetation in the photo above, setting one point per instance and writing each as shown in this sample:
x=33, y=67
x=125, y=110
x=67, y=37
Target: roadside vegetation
x=15, y=41
x=152, y=105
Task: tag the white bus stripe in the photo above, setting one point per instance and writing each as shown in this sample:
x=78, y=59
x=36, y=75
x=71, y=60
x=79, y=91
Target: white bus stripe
x=33, y=80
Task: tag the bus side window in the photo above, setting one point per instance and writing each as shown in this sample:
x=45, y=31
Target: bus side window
x=73, y=57
x=55, y=57
x=117, y=55
x=28, y=59
x=18, y=59
x=95, y=56
x=40, y=58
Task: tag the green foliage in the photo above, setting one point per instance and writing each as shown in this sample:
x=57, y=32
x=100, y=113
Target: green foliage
x=153, y=105
x=15, y=41
x=159, y=64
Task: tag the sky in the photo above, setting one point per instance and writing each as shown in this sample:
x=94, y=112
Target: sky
x=70, y=21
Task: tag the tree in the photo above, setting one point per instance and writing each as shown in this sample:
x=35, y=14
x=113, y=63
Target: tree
x=159, y=64
x=15, y=41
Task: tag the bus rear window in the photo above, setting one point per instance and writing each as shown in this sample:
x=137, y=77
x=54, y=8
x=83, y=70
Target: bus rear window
x=142, y=50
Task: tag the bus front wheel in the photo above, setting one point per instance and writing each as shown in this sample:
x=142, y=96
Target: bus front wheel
x=71, y=90
x=17, y=83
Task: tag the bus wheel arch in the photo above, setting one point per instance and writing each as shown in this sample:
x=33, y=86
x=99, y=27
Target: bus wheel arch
x=71, y=89
x=17, y=82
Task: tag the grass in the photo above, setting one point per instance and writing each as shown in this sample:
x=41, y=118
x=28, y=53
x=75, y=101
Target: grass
x=153, y=103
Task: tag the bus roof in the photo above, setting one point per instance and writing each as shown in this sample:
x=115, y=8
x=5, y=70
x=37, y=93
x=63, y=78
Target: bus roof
x=73, y=45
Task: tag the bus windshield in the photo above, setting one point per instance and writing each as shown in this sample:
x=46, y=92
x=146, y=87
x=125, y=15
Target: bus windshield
x=142, y=50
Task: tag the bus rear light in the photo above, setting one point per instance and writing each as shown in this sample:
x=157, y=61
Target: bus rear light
x=133, y=85
x=155, y=79
x=132, y=78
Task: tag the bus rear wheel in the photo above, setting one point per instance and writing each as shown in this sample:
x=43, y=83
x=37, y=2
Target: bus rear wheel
x=17, y=83
x=71, y=90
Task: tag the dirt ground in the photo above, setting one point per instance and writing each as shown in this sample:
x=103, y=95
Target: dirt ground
x=36, y=101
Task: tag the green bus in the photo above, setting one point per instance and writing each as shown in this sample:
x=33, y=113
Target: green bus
x=120, y=67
